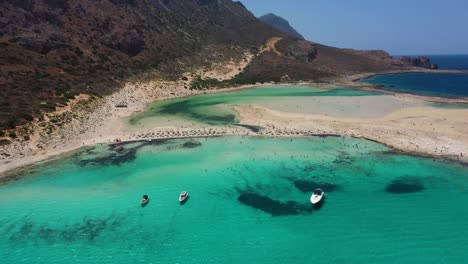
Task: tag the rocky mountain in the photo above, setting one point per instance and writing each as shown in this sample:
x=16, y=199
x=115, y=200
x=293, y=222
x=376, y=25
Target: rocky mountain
x=53, y=50
x=281, y=24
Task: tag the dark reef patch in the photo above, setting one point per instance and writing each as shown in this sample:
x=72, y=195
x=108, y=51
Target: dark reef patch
x=9, y=178
x=390, y=152
x=192, y=144
x=120, y=153
x=115, y=159
x=405, y=185
x=188, y=108
x=344, y=157
x=185, y=106
x=88, y=229
x=310, y=186
x=273, y=207
x=213, y=119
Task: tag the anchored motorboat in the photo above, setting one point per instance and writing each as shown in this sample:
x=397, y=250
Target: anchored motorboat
x=317, y=196
x=144, y=200
x=183, y=197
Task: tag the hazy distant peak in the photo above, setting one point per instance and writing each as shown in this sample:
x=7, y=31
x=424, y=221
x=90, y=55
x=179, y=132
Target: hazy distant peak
x=280, y=24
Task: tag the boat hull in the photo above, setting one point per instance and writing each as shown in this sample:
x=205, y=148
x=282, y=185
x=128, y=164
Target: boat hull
x=183, y=200
x=144, y=203
x=315, y=199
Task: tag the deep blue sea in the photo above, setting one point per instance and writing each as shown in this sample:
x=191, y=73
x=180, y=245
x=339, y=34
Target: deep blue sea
x=446, y=85
x=430, y=84
x=456, y=62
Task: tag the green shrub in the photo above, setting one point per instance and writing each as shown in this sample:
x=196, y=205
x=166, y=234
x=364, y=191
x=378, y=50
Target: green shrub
x=11, y=122
x=69, y=96
x=47, y=106
x=26, y=116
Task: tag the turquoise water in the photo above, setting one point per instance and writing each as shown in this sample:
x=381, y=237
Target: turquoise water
x=214, y=108
x=249, y=203
x=432, y=84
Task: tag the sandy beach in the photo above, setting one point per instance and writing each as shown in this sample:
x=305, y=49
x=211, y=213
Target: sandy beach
x=401, y=121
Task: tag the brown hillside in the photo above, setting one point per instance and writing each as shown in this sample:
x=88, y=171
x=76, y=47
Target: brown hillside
x=51, y=50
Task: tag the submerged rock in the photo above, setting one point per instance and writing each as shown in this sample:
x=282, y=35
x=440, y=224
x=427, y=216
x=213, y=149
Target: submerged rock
x=271, y=206
x=405, y=185
x=191, y=144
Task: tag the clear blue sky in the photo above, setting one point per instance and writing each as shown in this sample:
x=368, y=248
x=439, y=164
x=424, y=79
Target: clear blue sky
x=401, y=27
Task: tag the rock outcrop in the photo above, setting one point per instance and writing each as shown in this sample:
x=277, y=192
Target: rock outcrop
x=421, y=61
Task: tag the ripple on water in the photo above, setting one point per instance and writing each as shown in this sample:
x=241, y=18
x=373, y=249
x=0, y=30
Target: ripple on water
x=309, y=186
x=255, y=193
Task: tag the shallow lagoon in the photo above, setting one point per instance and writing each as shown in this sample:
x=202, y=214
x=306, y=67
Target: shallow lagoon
x=215, y=109
x=249, y=203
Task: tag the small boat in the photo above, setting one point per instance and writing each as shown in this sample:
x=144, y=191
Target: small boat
x=183, y=197
x=317, y=196
x=144, y=200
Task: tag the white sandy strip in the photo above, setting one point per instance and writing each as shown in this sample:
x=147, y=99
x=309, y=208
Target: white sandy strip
x=424, y=130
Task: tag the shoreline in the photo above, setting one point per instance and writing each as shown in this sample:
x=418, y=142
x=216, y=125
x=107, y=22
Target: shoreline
x=355, y=82
x=362, y=76
x=12, y=174
x=104, y=124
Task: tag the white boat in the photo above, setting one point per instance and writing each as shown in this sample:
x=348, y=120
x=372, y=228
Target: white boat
x=183, y=197
x=317, y=196
x=144, y=200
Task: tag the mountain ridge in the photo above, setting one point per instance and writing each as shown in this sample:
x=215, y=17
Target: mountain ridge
x=53, y=50
x=281, y=24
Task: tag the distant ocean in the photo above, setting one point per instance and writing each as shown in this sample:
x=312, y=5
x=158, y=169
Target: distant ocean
x=448, y=62
x=431, y=84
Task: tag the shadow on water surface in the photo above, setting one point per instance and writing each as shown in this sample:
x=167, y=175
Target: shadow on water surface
x=405, y=185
